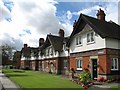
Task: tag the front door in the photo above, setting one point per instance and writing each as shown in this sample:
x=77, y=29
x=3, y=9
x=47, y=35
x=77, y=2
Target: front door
x=36, y=65
x=94, y=68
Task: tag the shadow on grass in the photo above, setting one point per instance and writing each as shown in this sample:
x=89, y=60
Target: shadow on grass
x=17, y=75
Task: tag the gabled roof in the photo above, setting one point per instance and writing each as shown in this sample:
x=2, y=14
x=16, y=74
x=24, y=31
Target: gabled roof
x=56, y=41
x=34, y=49
x=103, y=28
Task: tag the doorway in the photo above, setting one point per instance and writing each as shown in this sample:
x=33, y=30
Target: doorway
x=94, y=69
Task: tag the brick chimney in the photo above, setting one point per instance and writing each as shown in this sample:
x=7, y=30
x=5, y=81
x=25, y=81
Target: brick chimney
x=101, y=15
x=41, y=41
x=75, y=22
x=61, y=33
x=25, y=45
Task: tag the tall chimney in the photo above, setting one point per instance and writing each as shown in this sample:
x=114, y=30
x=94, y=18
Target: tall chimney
x=41, y=41
x=61, y=33
x=74, y=24
x=25, y=45
x=101, y=15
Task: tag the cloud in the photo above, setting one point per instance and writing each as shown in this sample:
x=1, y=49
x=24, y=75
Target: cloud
x=40, y=15
x=4, y=12
x=110, y=9
x=14, y=42
x=34, y=19
x=69, y=15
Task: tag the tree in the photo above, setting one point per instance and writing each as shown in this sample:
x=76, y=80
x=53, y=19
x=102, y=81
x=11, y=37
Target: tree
x=7, y=52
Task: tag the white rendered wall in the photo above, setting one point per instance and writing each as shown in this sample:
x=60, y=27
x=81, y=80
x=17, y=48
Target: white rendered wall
x=98, y=44
x=112, y=43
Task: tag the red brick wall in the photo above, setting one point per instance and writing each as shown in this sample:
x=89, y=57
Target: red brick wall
x=33, y=64
x=86, y=62
x=25, y=64
x=102, y=64
x=22, y=64
x=72, y=63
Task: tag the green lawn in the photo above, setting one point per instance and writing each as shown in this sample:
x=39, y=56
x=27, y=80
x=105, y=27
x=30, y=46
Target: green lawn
x=115, y=87
x=37, y=79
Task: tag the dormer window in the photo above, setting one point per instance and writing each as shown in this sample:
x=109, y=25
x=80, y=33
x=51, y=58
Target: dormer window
x=51, y=51
x=90, y=37
x=78, y=40
x=64, y=46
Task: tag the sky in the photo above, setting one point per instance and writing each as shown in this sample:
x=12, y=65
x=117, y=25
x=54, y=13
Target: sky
x=25, y=21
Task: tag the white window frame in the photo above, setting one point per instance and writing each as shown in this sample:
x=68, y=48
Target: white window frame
x=46, y=64
x=42, y=65
x=64, y=46
x=79, y=62
x=90, y=38
x=51, y=51
x=114, y=61
x=65, y=63
x=78, y=40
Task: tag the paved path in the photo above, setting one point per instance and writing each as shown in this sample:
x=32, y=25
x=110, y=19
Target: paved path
x=105, y=86
x=7, y=83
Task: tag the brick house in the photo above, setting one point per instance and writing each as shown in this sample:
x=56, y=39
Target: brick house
x=17, y=59
x=53, y=54
x=95, y=45
x=50, y=56
x=25, y=57
x=34, y=60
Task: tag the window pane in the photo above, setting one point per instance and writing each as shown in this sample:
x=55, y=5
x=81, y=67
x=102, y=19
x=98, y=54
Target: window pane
x=80, y=63
x=65, y=63
x=77, y=63
x=76, y=40
x=112, y=63
x=92, y=37
x=80, y=40
x=116, y=63
x=88, y=37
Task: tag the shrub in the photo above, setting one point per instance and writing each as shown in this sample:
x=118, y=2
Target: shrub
x=85, y=77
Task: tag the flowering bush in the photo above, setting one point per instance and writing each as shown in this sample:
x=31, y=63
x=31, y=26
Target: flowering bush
x=85, y=77
x=101, y=79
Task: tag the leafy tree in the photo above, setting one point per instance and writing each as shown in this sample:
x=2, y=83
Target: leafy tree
x=7, y=52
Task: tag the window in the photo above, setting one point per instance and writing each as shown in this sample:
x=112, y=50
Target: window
x=78, y=40
x=114, y=63
x=47, y=51
x=42, y=65
x=90, y=37
x=46, y=64
x=64, y=46
x=79, y=64
x=65, y=63
x=51, y=51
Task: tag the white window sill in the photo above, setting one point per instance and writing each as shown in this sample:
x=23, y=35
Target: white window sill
x=88, y=43
x=79, y=45
x=79, y=68
x=114, y=69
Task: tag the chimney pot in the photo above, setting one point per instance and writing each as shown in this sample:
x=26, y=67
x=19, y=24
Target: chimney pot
x=61, y=33
x=25, y=45
x=41, y=41
x=75, y=22
x=101, y=15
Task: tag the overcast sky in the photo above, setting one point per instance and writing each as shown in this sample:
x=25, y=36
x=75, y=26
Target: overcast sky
x=25, y=21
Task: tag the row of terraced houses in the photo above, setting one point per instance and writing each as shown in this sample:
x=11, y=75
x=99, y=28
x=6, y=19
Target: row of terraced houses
x=94, y=44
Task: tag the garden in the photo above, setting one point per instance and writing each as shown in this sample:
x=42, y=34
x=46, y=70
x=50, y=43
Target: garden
x=38, y=79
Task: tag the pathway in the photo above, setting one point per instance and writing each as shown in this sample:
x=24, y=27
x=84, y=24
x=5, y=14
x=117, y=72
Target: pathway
x=7, y=83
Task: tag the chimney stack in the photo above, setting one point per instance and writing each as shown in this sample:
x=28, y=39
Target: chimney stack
x=75, y=22
x=101, y=15
x=41, y=41
x=25, y=46
x=61, y=33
